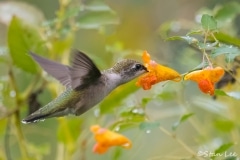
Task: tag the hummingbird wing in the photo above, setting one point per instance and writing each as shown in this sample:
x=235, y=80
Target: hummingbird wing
x=83, y=71
x=57, y=70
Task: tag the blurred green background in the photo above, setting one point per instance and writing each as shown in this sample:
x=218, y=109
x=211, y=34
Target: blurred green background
x=108, y=31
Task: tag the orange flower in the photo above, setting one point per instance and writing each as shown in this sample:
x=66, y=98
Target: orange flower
x=106, y=139
x=206, y=78
x=157, y=73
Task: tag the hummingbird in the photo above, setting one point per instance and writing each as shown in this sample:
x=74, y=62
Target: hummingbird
x=85, y=84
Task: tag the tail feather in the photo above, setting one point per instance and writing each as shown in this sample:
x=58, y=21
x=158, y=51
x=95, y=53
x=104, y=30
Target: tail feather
x=34, y=118
x=39, y=116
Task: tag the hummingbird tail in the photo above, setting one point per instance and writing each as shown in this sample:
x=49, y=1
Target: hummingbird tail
x=35, y=118
x=39, y=116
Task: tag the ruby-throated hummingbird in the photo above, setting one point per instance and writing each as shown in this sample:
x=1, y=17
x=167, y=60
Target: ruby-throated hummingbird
x=85, y=84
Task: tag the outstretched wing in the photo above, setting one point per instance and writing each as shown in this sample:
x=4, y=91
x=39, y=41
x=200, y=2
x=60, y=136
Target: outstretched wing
x=57, y=70
x=82, y=71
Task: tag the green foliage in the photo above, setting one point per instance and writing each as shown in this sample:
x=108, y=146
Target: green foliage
x=93, y=15
x=21, y=40
x=213, y=124
x=219, y=92
x=224, y=125
x=182, y=119
x=116, y=97
x=148, y=125
x=228, y=11
x=117, y=154
x=94, y=20
x=229, y=51
x=228, y=39
x=208, y=23
x=68, y=132
x=190, y=40
x=223, y=148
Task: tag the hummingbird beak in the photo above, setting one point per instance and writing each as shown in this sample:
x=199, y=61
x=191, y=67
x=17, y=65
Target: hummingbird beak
x=145, y=68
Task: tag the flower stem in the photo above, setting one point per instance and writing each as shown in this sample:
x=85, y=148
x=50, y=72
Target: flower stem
x=16, y=117
x=179, y=141
x=205, y=53
x=20, y=137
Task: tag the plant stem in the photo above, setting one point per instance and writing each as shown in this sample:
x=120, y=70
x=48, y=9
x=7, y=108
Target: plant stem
x=6, y=141
x=204, y=51
x=18, y=102
x=179, y=141
x=20, y=137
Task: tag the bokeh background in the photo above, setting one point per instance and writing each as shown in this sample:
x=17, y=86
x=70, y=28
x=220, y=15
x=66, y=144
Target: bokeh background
x=108, y=31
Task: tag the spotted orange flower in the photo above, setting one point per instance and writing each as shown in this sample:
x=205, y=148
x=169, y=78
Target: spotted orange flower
x=157, y=73
x=106, y=138
x=206, y=78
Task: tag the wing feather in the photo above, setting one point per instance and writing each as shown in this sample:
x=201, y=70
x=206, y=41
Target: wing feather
x=57, y=70
x=81, y=73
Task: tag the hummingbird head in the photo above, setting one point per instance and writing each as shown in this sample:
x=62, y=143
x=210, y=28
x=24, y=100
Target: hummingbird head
x=128, y=69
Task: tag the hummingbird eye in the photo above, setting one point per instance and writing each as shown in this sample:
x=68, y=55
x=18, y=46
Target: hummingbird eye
x=138, y=67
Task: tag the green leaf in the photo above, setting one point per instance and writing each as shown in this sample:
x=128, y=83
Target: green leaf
x=208, y=22
x=231, y=158
x=190, y=40
x=230, y=52
x=116, y=97
x=194, y=32
x=41, y=149
x=164, y=29
x=117, y=154
x=208, y=46
x=166, y=96
x=94, y=20
x=69, y=131
x=21, y=40
x=97, y=6
x=223, y=148
x=72, y=12
x=62, y=45
x=132, y=115
x=3, y=124
x=148, y=125
x=123, y=125
x=226, y=38
x=133, y=112
x=145, y=101
x=224, y=125
x=219, y=92
x=182, y=119
x=228, y=11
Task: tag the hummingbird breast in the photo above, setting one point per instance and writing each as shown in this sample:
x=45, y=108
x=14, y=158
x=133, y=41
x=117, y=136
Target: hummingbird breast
x=94, y=93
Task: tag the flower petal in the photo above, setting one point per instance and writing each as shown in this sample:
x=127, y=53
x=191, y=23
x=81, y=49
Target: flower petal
x=106, y=138
x=195, y=75
x=206, y=86
x=100, y=149
x=206, y=78
x=157, y=73
x=147, y=80
x=146, y=57
x=217, y=74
